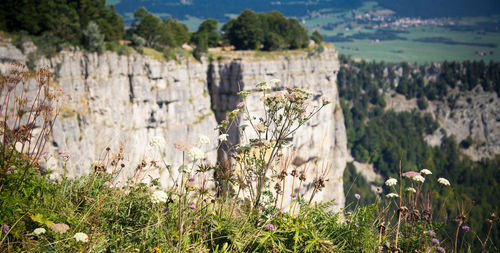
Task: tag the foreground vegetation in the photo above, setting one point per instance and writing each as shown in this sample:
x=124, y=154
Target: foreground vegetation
x=234, y=206
x=389, y=139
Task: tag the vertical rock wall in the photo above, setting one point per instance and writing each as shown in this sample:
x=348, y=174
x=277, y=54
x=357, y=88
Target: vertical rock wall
x=124, y=101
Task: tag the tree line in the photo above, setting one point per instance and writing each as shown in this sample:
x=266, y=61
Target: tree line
x=92, y=25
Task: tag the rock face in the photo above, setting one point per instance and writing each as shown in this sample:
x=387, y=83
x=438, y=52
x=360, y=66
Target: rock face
x=124, y=101
x=473, y=113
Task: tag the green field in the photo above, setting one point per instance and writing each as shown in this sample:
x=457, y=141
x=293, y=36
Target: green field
x=423, y=43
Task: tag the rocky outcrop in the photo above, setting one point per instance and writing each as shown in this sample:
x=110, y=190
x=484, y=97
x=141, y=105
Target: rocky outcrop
x=124, y=101
x=473, y=113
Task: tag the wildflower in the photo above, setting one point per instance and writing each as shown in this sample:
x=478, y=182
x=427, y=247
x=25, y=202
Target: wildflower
x=223, y=137
x=357, y=196
x=60, y=228
x=411, y=174
x=260, y=127
x=39, y=231
x=274, y=81
x=426, y=172
x=293, y=195
x=356, y=224
x=191, y=179
x=157, y=141
x=349, y=213
x=157, y=250
x=347, y=221
x=440, y=249
x=392, y=195
x=391, y=181
x=81, y=237
x=465, y=228
x=159, y=197
x=166, y=209
x=269, y=227
x=195, y=154
x=430, y=233
x=192, y=207
x=435, y=241
x=443, y=181
x=5, y=228
x=418, y=178
x=204, y=139
x=263, y=86
x=411, y=189
x=182, y=145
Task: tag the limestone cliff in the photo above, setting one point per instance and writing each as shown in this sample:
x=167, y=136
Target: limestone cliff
x=123, y=101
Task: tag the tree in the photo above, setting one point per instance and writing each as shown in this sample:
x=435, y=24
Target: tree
x=207, y=31
x=94, y=39
x=244, y=32
x=316, y=37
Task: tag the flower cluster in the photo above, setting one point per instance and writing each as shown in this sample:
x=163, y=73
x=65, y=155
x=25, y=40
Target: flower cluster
x=443, y=181
x=159, y=197
x=39, y=231
x=196, y=154
x=391, y=182
x=81, y=237
x=204, y=139
x=157, y=141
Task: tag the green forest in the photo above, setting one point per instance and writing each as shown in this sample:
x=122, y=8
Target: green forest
x=91, y=25
x=386, y=138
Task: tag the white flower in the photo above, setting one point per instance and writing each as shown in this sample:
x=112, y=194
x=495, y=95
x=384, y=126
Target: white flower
x=426, y=172
x=392, y=195
x=274, y=81
x=263, y=86
x=223, y=137
x=195, y=154
x=443, y=181
x=157, y=141
x=159, y=197
x=391, y=181
x=204, y=139
x=39, y=231
x=81, y=237
x=418, y=178
x=411, y=189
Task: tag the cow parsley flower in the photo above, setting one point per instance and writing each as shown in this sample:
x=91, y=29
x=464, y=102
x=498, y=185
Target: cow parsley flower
x=223, y=137
x=426, y=172
x=392, y=195
x=157, y=141
x=418, y=178
x=195, y=154
x=391, y=182
x=443, y=181
x=274, y=81
x=81, y=237
x=204, y=139
x=159, y=197
x=411, y=189
x=39, y=231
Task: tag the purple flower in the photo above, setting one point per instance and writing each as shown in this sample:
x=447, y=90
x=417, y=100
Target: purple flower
x=8, y=172
x=465, y=228
x=166, y=209
x=349, y=213
x=431, y=233
x=5, y=228
x=357, y=196
x=269, y=227
x=293, y=195
x=440, y=249
x=191, y=179
x=192, y=207
x=435, y=241
x=356, y=224
x=347, y=221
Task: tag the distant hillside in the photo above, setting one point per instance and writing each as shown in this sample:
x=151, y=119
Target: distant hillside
x=220, y=9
